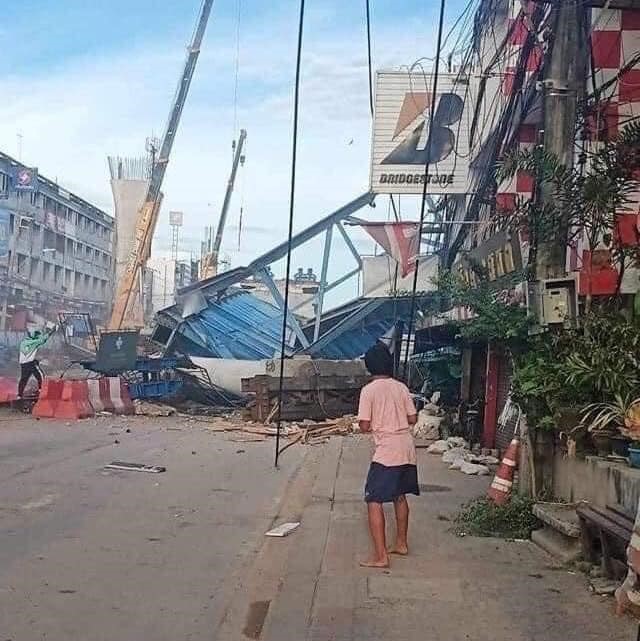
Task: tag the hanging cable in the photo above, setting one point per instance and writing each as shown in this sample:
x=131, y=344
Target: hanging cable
x=434, y=97
x=237, y=70
x=369, y=56
x=294, y=154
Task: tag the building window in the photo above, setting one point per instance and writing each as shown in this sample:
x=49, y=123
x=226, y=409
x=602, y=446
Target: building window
x=4, y=183
x=33, y=198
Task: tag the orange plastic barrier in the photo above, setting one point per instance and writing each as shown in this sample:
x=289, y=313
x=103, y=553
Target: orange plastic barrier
x=8, y=390
x=74, y=402
x=49, y=397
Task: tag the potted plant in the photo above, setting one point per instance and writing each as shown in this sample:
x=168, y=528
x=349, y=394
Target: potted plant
x=612, y=424
x=634, y=454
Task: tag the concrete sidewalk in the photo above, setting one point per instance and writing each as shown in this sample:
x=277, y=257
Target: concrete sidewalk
x=449, y=588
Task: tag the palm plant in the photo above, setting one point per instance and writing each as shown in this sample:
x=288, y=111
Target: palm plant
x=622, y=415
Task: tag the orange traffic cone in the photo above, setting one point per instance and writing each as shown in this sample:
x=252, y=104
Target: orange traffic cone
x=502, y=484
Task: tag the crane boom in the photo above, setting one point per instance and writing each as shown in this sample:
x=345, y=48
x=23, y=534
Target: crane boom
x=150, y=209
x=210, y=261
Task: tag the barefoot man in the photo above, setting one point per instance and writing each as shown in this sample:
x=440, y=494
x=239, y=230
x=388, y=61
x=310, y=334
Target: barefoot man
x=387, y=411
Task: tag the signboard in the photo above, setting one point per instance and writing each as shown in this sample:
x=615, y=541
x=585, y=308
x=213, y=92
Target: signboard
x=25, y=178
x=175, y=218
x=117, y=352
x=77, y=325
x=401, y=132
x=499, y=256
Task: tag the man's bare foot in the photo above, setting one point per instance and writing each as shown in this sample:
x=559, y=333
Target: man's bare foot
x=401, y=550
x=375, y=563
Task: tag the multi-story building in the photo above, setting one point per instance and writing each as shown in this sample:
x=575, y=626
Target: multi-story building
x=56, y=249
x=164, y=277
x=513, y=78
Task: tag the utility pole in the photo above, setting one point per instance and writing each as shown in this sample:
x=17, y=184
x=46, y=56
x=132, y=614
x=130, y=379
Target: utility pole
x=562, y=82
x=562, y=85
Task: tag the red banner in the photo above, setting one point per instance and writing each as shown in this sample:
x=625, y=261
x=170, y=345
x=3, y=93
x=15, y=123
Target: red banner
x=399, y=240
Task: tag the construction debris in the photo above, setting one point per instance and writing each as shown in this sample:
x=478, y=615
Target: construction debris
x=317, y=391
x=283, y=530
x=455, y=452
x=145, y=408
x=135, y=467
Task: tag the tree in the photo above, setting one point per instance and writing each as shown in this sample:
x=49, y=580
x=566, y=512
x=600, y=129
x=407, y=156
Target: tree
x=587, y=198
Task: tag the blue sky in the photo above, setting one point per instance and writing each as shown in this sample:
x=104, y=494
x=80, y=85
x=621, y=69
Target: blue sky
x=89, y=79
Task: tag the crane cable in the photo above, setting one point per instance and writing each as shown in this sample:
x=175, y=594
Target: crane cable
x=434, y=96
x=237, y=70
x=294, y=154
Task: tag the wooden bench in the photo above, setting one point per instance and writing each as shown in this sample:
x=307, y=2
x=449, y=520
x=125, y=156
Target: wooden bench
x=605, y=533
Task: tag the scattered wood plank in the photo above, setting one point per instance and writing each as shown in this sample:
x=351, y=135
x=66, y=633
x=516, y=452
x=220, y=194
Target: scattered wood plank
x=135, y=467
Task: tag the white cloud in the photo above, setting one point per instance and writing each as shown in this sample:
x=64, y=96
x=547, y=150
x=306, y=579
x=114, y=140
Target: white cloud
x=73, y=116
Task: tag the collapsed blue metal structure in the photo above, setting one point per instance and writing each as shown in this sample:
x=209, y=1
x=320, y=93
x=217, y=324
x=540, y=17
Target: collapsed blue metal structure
x=216, y=318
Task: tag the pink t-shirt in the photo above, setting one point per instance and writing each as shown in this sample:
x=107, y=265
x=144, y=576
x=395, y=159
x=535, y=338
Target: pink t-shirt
x=387, y=404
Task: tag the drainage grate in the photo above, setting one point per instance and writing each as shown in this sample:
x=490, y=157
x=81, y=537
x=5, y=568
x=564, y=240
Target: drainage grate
x=434, y=488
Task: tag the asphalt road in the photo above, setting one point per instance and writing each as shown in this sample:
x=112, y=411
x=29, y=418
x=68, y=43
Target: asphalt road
x=91, y=555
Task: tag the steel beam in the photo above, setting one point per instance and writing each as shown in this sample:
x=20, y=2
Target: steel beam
x=323, y=281
x=292, y=321
x=350, y=245
x=238, y=274
x=342, y=279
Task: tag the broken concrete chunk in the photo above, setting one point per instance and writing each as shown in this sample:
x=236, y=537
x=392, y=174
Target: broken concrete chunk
x=457, y=464
x=485, y=460
x=427, y=425
x=473, y=469
x=439, y=447
x=455, y=453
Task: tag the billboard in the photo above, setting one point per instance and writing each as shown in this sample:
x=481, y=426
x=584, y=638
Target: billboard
x=399, y=151
x=176, y=218
x=25, y=178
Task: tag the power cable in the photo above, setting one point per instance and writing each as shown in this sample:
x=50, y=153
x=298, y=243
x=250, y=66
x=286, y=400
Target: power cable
x=237, y=70
x=434, y=95
x=369, y=56
x=294, y=155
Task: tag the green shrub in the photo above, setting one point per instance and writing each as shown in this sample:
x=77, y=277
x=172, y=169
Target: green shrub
x=482, y=517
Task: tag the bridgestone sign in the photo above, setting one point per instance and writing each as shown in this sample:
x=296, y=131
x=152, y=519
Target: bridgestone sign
x=401, y=131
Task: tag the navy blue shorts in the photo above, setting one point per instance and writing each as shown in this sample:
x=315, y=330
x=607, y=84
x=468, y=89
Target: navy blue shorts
x=386, y=484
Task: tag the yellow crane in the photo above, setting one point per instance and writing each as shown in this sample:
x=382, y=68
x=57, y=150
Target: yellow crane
x=131, y=282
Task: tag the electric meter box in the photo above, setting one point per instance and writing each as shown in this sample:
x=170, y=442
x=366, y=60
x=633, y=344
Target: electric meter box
x=559, y=302
x=556, y=305
x=553, y=301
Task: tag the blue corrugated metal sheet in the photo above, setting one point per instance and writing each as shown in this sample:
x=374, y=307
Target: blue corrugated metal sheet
x=238, y=326
x=352, y=329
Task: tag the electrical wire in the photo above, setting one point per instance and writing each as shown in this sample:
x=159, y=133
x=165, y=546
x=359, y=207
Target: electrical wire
x=367, y=8
x=237, y=70
x=434, y=94
x=505, y=121
x=294, y=155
